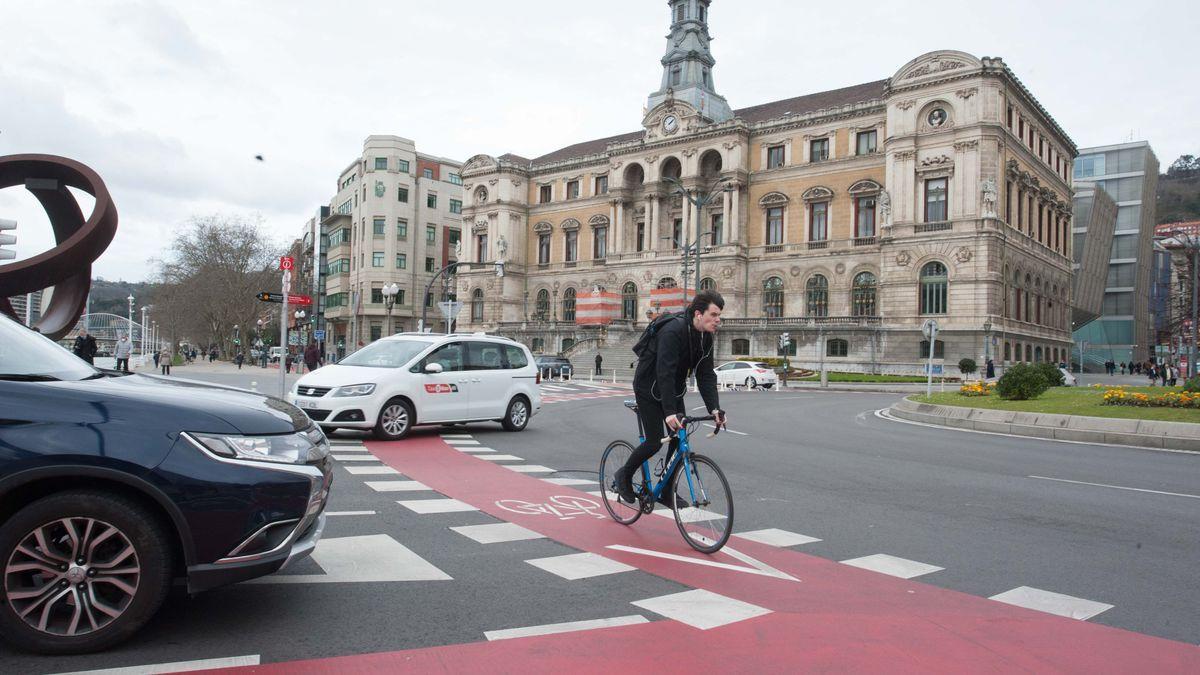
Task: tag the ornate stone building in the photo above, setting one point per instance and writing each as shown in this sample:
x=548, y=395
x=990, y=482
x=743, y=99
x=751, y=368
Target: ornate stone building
x=847, y=218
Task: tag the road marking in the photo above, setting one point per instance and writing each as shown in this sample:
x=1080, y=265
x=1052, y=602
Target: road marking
x=689, y=514
x=756, y=567
x=396, y=485
x=580, y=566
x=701, y=609
x=502, y=458
x=449, y=435
x=497, y=533
x=371, y=558
x=1052, y=603
x=604, y=387
x=892, y=566
x=565, y=507
x=739, y=433
x=569, y=627
x=553, y=388
x=177, y=667
x=478, y=449
x=349, y=448
x=371, y=470
x=460, y=441
x=775, y=537
x=349, y=513
x=528, y=468
x=425, y=506
x=356, y=458
x=1118, y=487
x=569, y=481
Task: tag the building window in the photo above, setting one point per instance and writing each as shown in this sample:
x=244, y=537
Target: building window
x=376, y=296
x=703, y=13
x=379, y=226
x=455, y=206
x=455, y=179
x=401, y=228
x=429, y=264
x=775, y=226
x=572, y=246
x=939, y=349
x=641, y=237
x=404, y=166
x=816, y=293
x=718, y=229
x=708, y=284
x=866, y=142
x=544, y=249
x=677, y=233
x=542, y=308
x=667, y=282
x=401, y=261
x=837, y=347
x=345, y=207
x=431, y=201
x=402, y=194
x=377, y=259
x=601, y=185
x=680, y=12
x=376, y=332
x=864, y=209
x=572, y=189
x=545, y=193
x=430, y=234
x=741, y=346
x=381, y=163
x=773, y=298
x=676, y=75
x=452, y=238
x=568, y=305
x=862, y=296
x=427, y=173
x=600, y=242
x=629, y=294
x=481, y=251
x=477, y=305
x=818, y=221
x=537, y=345
x=775, y=157
x=341, y=266
x=935, y=200
x=818, y=150
x=933, y=288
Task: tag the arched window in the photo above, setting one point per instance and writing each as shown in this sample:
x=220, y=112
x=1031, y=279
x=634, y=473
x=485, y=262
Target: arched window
x=708, y=284
x=1007, y=351
x=816, y=293
x=862, y=300
x=667, y=282
x=933, y=288
x=939, y=349
x=542, y=310
x=568, y=305
x=837, y=347
x=741, y=346
x=773, y=298
x=477, y=305
x=629, y=301
x=1026, y=293
x=567, y=343
x=1029, y=353
x=1037, y=355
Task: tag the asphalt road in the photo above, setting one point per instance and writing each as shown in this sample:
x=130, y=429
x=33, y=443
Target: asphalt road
x=816, y=463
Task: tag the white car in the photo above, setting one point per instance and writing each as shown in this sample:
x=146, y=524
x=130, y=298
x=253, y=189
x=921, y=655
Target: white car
x=749, y=374
x=404, y=380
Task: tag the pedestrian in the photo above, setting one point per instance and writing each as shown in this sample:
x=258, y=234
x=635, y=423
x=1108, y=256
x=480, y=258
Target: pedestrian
x=1122, y=367
x=1164, y=373
x=1151, y=374
x=312, y=356
x=85, y=346
x=122, y=352
x=164, y=360
x=156, y=359
x=239, y=359
x=1174, y=374
x=287, y=360
x=599, y=360
x=990, y=369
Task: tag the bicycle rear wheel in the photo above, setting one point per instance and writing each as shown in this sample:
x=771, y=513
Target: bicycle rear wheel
x=615, y=456
x=703, y=504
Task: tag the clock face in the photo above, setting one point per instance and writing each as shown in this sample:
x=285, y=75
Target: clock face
x=670, y=124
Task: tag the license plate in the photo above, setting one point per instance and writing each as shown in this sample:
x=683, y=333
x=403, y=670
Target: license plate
x=306, y=404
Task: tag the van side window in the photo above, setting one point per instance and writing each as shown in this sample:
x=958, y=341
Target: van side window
x=485, y=356
x=516, y=356
x=450, y=356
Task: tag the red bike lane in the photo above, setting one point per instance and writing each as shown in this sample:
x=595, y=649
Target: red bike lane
x=823, y=615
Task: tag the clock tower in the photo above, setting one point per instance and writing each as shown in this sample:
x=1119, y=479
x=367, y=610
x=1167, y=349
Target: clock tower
x=687, y=70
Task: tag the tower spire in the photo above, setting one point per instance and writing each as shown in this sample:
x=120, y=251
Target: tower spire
x=688, y=63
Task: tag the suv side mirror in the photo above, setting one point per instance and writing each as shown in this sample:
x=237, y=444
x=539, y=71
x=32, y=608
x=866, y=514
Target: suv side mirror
x=433, y=368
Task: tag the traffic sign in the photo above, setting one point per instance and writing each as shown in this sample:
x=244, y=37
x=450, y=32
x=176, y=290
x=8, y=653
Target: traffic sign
x=299, y=299
x=929, y=328
x=270, y=297
x=287, y=263
x=319, y=335
x=450, y=308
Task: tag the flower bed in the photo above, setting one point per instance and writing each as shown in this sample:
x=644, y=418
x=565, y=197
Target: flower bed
x=977, y=389
x=1169, y=399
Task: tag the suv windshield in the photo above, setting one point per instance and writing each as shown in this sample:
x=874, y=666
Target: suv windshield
x=386, y=353
x=26, y=353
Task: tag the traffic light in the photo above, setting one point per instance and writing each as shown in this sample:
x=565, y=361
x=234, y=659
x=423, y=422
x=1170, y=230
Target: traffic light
x=265, y=297
x=7, y=239
x=783, y=340
x=237, y=341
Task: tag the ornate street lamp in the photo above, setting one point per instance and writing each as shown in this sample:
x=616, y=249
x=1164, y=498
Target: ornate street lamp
x=389, y=298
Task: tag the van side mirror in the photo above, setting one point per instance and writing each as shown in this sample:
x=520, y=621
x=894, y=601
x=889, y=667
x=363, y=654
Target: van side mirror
x=433, y=368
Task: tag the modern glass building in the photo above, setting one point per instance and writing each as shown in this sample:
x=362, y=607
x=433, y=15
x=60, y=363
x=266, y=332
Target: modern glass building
x=1124, y=330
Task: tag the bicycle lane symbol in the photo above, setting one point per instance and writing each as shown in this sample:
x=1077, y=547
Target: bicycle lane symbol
x=565, y=507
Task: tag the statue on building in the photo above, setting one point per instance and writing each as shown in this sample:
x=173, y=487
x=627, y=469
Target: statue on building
x=989, y=192
x=885, y=208
x=458, y=250
x=501, y=249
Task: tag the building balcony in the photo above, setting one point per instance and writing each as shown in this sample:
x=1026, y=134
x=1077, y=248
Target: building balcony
x=922, y=228
x=802, y=321
x=865, y=241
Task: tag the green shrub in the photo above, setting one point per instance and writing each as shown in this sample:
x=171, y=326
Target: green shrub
x=1021, y=382
x=1192, y=385
x=1053, y=375
x=967, y=366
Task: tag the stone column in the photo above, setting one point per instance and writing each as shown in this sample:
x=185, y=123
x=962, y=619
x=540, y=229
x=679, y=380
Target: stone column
x=686, y=232
x=616, y=229
x=735, y=224
x=727, y=235
x=652, y=217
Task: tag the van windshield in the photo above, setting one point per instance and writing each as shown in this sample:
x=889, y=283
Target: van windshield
x=25, y=354
x=386, y=353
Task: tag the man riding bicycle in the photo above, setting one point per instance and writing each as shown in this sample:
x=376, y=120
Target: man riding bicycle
x=682, y=345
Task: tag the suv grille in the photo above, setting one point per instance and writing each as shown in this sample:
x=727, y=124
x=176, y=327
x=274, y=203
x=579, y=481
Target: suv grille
x=315, y=392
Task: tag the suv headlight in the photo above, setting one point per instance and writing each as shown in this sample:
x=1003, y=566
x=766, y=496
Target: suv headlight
x=305, y=447
x=355, y=390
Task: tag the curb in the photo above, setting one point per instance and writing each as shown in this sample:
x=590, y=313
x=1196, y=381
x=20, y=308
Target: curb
x=1113, y=431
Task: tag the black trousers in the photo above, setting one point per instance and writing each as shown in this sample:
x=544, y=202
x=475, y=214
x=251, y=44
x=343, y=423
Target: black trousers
x=122, y=365
x=652, y=417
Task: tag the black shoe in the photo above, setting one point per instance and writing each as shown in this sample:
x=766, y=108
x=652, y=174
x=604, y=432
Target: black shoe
x=624, y=485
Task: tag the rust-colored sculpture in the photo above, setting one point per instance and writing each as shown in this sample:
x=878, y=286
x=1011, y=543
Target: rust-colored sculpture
x=68, y=266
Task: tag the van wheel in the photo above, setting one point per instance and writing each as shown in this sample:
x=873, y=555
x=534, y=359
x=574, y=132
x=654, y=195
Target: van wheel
x=395, y=420
x=82, y=571
x=517, y=416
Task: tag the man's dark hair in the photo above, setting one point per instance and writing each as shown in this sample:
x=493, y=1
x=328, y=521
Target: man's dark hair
x=702, y=300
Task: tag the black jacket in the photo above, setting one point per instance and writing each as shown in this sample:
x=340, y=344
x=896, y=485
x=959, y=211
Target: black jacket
x=662, y=370
x=85, y=347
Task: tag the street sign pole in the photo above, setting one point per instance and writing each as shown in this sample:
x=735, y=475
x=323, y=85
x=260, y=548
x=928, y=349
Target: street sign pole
x=283, y=343
x=930, y=329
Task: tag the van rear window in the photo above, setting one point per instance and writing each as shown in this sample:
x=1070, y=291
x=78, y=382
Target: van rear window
x=516, y=357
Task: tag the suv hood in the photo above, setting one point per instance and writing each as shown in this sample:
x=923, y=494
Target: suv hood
x=336, y=375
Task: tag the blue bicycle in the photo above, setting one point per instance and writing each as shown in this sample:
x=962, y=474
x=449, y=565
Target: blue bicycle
x=699, y=495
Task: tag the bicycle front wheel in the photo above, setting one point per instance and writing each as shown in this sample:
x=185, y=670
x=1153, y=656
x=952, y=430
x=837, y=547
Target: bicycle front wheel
x=703, y=504
x=615, y=456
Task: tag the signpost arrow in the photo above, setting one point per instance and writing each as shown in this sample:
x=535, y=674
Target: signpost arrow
x=270, y=297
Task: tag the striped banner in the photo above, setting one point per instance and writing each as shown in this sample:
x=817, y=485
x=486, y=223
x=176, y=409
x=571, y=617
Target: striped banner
x=597, y=309
x=666, y=300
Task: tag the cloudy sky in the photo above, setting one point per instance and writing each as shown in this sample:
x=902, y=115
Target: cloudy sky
x=171, y=101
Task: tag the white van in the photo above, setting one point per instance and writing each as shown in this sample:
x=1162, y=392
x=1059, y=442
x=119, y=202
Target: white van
x=404, y=380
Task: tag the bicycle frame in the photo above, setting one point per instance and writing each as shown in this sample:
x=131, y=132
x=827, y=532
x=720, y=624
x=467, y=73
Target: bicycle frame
x=680, y=456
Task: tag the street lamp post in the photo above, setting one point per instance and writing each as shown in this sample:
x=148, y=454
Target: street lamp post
x=698, y=200
x=987, y=345
x=389, y=299
x=444, y=272
x=130, y=331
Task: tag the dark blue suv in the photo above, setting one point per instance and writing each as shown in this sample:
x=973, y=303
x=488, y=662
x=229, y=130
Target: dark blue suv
x=113, y=487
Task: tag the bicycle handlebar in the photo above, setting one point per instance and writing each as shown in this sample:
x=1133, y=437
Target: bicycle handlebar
x=693, y=420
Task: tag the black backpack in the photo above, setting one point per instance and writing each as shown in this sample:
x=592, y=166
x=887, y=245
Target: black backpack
x=647, y=344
